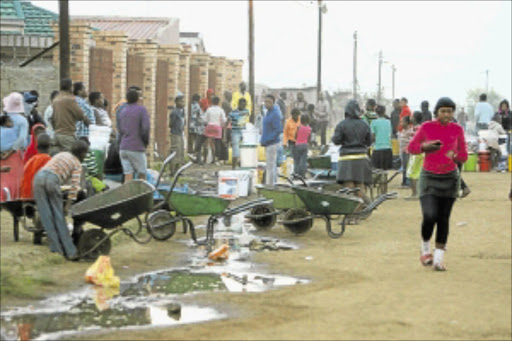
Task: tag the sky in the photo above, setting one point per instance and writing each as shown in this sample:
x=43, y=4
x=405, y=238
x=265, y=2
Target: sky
x=439, y=48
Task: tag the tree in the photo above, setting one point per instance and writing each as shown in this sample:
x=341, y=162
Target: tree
x=472, y=99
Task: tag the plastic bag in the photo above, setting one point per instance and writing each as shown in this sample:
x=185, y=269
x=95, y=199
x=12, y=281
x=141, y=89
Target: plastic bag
x=101, y=273
x=221, y=253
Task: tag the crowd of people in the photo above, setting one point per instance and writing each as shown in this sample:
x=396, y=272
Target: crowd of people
x=40, y=154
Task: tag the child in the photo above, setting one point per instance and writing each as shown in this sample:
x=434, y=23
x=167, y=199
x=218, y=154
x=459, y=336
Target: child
x=93, y=183
x=404, y=136
x=312, y=122
x=35, y=163
x=177, y=125
x=300, y=152
x=290, y=130
x=238, y=119
x=415, y=161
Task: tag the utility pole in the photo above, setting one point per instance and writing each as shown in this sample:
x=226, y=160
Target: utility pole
x=64, y=38
x=379, y=92
x=319, y=71
x=487, y=81
x=354, y=89
x=393, y=68
x=251, y=58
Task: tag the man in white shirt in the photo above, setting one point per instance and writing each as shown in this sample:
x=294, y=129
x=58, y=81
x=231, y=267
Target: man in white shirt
x=483, y=113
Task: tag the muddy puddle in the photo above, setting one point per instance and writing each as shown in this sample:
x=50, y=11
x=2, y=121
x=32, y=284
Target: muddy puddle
x=152, y=299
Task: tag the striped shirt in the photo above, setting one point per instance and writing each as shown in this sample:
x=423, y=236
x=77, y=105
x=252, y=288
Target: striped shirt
x=66, y=166
x=81, y=128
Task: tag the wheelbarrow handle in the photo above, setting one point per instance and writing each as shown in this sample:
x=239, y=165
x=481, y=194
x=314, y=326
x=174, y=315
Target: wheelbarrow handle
x=164, y=165
x=176, y=177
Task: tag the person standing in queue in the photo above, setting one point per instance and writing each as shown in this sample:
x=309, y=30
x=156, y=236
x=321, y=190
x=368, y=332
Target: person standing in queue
x=354, y=136
x=270, y=138
x=444, y=146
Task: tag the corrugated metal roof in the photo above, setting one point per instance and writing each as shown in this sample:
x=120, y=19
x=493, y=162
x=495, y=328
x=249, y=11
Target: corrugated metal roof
x=36, y=19
x=135, y=28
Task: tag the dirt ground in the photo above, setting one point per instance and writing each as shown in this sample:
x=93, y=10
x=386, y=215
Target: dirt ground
x=368, y=284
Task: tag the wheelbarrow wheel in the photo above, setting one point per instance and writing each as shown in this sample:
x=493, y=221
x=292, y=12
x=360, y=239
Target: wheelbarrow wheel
x=299, y=227
x=89, y=240
x=263, y=223
x=16, y=228
x=160, y=225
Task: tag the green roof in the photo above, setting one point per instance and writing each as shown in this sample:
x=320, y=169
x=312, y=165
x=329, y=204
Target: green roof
x=36, y=19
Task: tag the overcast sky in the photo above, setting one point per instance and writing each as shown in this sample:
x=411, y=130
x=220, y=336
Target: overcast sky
x=439, y=48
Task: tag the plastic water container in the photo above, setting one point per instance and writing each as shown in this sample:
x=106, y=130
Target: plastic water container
x=248, y=156
x=251, y=136
x=243, y=182
x=99, y=136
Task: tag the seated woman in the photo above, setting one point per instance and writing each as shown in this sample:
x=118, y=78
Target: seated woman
x=13, y=141
x=37, y=129
x=34, y=165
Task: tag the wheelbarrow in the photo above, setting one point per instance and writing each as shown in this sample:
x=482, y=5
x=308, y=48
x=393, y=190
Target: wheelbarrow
x=286, y=200
x=179, y=207
x=324, y=205
x=109, y=210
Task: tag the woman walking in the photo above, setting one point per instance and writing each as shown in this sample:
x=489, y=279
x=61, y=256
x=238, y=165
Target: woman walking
x=444, y=145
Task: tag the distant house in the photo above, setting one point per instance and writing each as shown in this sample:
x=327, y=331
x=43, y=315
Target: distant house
x=25, y=30
x=162, y=30
x=194, y=39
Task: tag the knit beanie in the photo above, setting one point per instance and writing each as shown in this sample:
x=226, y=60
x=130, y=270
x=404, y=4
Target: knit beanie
x=444, y=102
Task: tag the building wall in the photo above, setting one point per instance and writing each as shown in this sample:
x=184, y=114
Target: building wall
x=43, y=79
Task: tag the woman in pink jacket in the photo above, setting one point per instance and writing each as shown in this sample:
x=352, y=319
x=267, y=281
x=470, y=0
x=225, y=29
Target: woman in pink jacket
x=444, y=145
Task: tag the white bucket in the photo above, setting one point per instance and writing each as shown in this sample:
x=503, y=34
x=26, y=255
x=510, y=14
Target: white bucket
x=251, y=136
x=248, y=156
x=99, y=136
x=244, y=181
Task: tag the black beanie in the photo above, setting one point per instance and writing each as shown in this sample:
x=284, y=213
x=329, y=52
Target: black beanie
x=444, y=102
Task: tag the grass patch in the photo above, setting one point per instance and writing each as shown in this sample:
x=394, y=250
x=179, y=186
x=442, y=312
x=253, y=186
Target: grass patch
x=23, y=286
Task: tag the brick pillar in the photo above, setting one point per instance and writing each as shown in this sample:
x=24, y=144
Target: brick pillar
x=148, y=49
x=80, y=39
x=117, y=41
x=184, y=87
x=171, y=55
x=219, y=64
x=229, y=83
x=184, y=74
x=203, y=61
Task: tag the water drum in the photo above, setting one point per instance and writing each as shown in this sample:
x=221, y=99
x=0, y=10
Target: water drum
x=250, y=136
x=484, y=161
x=248, y=156
x=470, y=164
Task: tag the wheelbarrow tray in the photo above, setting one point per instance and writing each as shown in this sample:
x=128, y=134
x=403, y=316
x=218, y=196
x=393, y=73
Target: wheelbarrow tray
x=284, y=197
x=319, y=162
x=191, y=205
x=327, y=203
x=116, y=206
x=15, y=207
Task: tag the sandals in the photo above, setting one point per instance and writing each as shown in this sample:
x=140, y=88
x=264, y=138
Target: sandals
x=439, y=267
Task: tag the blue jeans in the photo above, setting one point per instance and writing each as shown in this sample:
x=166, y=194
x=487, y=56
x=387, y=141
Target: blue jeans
x=280, y=152
x=48, y=196
x=236, y=137
x=300, y=157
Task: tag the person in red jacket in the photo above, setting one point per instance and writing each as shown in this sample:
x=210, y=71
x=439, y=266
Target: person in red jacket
x=406, y=111
x=206, y=102
x=33, y=165
x=444, y=146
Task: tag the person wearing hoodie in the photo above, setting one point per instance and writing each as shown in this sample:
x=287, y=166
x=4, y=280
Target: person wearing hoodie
x=370, y=113
x=270, y=137
x=425, y=113
x=354, y=136
x=37, y=129
x=444, y=146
